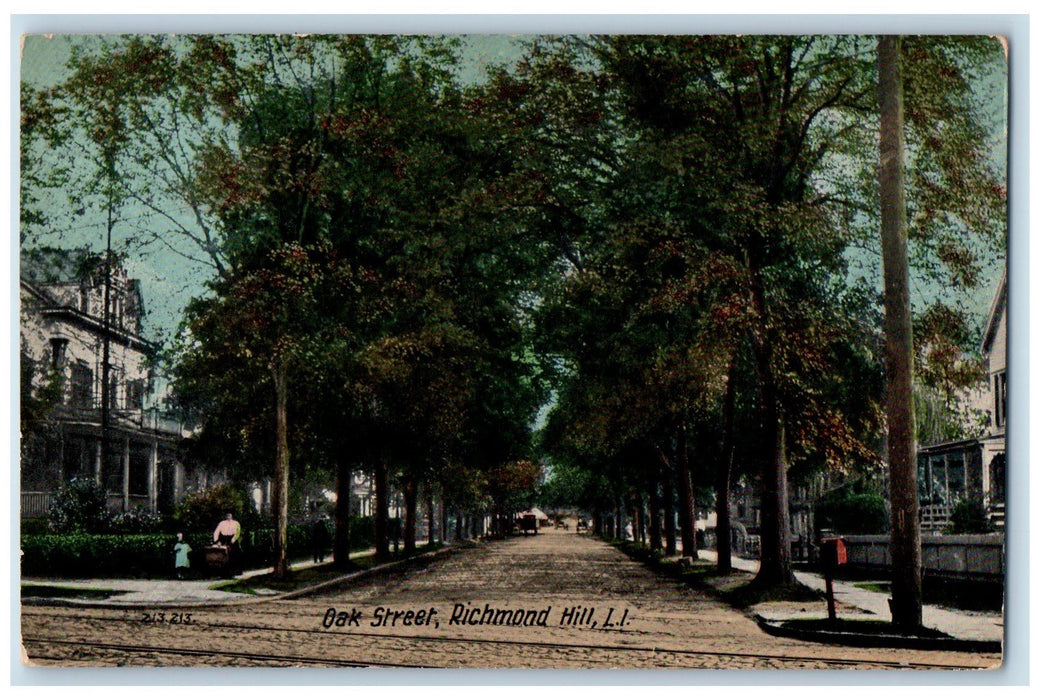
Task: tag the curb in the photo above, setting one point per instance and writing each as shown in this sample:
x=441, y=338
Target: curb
x=852, y=639
x=425, y=556
x=244, y=598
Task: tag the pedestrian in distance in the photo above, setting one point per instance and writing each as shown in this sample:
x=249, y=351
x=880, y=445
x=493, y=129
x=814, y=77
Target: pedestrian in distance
x=319, y=539
x=181, y=549
x=229, y=534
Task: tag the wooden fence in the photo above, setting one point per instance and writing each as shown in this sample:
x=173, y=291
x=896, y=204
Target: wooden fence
x=973, y=557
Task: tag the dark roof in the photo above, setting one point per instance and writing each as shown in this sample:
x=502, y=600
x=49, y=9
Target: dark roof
x=950, y=446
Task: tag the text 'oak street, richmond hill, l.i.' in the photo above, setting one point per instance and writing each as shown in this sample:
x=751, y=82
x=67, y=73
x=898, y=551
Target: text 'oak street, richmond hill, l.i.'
x=470, y=615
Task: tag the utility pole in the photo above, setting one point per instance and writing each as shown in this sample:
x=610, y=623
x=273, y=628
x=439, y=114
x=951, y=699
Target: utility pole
x=106, y=352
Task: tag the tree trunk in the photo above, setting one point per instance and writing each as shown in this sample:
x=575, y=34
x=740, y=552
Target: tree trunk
x=411, y=493
x=281, y=472
x=687, y=509
x=906, y=537
x=636, y=510
x=341, y=537
x=775, y=563
x=723, y=538
x=106, y=354
x=431, y=535
x=655, y=508
x=379, y=479
x=668, y=496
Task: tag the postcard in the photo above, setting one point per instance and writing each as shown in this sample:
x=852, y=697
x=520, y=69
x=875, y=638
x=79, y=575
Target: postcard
x=565, y=351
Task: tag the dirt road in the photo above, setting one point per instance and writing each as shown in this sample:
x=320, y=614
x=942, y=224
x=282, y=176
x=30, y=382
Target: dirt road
x=554, y=600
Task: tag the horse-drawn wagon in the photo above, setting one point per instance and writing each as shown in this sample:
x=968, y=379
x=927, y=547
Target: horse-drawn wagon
x=528, y=523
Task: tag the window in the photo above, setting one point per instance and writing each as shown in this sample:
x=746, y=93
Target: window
x=113, y=392
x=956, y=485
x=59, y=346
x=937, y=483
x=135, y=394
x=139, y=475
x=28, y=375
x=82, y=386
x=997, y=474
x=1000, y=398
x=942, y=478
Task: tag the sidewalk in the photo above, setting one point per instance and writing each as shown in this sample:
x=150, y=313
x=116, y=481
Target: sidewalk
x=959, y=624
x=157, y=592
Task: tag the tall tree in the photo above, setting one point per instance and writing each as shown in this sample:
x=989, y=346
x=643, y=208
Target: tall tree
x=902, y=462
x=250, y=338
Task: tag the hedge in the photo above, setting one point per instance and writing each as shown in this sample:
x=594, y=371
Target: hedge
x=151, y=556
x=83, y=555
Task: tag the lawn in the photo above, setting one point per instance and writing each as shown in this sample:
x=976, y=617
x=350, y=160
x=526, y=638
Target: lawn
x=41, y=591
x=314, y=575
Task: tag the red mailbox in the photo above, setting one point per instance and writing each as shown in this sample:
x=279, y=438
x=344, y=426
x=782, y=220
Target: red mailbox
x=833, y=552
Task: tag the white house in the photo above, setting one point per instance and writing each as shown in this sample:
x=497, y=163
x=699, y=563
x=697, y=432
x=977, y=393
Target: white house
x=974, y=467
x=65, y=335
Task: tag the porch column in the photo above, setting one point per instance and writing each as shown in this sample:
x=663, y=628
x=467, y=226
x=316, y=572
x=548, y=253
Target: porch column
x=153, y=477
x=178, y=481
x=126, y=474
x=97, y=463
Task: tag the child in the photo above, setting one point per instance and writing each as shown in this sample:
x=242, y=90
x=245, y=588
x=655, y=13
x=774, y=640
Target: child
x=180, y=556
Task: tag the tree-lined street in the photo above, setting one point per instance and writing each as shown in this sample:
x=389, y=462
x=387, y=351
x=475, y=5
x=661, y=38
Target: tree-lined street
x=616, y=276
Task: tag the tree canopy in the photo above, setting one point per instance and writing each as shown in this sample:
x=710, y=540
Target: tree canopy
x=666, y=244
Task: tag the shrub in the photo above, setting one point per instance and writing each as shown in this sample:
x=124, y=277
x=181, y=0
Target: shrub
x=362, y=531
x=83, y=554
x=968, y=518
x=851, y=513
x=79, y=506
x=35, y=526
x=203, y=510
x=138, y=521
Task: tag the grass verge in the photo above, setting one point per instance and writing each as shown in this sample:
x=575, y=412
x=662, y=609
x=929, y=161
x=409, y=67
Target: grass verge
x=314, y=575
x=738, y=588
x=69, y=592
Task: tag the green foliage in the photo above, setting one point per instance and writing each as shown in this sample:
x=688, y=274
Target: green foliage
x=362, y=532
x=79, y=506
x=514, y=485
x=636, y=218
x=941, y=418
x=137, y=521
x=86, y=555
x=968, y=518
x=203, y=510
x=151, y=555
x=852, y=510
x=34, y=526
x=569, y=485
